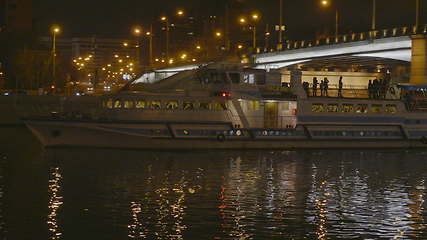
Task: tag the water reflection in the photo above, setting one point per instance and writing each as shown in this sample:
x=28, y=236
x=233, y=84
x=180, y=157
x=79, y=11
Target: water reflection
x=161, y=212
x=55, y=203
x=350, y=203
x=2, y=193
x=237, y=195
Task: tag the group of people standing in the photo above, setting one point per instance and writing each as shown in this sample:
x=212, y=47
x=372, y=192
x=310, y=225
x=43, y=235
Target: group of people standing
x=377, y=88
x=324, y=87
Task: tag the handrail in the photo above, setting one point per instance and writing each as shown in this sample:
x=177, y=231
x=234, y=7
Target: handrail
x=352, y=37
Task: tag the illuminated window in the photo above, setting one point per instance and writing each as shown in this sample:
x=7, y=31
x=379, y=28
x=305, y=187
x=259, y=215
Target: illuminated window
x=172, y=105
x=254, y=105
x=332, y=108
x=392, y=109
x=376, y=108
x=317, y=108
x=361, y=108
x=117, y=104
x=109, y=103
x=129, y=104
x=140, y=104
x=155, y=105
x=249, y=78
x=347, y=108
x=188, y=106
x=217, y=106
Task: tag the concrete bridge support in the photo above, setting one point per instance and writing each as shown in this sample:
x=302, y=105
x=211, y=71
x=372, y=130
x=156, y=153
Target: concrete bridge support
x=419, y=60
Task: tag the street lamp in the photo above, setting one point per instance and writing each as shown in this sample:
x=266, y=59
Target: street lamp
x=374, y=15
x=254, y=17
x=326, y=3
x=150, y=37
x=137, y=32
x=166, y=20
x=55, y=30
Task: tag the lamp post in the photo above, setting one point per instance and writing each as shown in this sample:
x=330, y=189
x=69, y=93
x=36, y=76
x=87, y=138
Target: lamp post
x=281, y=24
x=374, y=15
x=255, y=18
x=137, y=32
x=166, y=20
x=55, y=30
x=417, y=14
x=150, y=38
x=326, y=3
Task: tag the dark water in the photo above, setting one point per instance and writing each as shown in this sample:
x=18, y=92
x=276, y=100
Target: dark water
x=113, y=194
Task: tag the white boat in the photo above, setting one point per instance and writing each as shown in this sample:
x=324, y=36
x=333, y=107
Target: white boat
x=234, y=107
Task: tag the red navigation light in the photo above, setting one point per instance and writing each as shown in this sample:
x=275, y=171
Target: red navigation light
x=224, y=94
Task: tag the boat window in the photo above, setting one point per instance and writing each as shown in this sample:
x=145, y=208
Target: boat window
x=109, y=103
x=254, y=105
x=317, y=107
x=332, y=108
x=155, y=105
x=347, y=108
x=140, y=104
x=361, y=108
x=260, y=79
x=234, y=77
x=205, y=106
x=376, y=108
x=117, y=104
x=392, y=109
x=129, y=104
x=188, y=106
x=172, y=105
x=218, y=77
x=217, y=106
x=249, y=78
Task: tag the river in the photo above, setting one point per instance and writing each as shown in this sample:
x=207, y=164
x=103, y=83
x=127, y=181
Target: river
x=80, y=193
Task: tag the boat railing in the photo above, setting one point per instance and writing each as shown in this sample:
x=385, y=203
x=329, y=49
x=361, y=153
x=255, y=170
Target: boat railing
x=336, y=92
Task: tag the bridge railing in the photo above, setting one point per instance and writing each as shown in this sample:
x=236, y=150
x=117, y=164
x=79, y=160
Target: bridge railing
x=351, y=37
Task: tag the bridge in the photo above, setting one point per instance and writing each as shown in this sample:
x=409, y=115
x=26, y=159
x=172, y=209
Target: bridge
x=388, y=48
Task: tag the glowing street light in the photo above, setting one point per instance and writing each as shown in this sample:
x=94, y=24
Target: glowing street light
x=255, y=17
x=125, y=44
x=180, y=12
x=55, y=30
x=149, y=34
x=326, y=3
x=166, y=20
x=218, y=34
x=137, y=31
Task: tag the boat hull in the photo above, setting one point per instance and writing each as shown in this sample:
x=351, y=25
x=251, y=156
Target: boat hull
x=111, y=135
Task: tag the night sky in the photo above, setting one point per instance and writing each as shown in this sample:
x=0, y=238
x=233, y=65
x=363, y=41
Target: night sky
x=303, y=17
